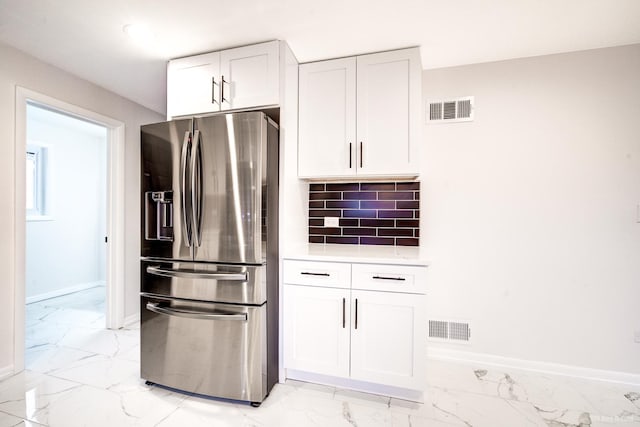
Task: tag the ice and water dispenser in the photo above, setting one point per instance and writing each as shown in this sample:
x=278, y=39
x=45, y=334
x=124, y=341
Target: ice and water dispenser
x=159, y=215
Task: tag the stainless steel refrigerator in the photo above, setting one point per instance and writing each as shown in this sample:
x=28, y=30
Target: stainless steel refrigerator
x=209, y=256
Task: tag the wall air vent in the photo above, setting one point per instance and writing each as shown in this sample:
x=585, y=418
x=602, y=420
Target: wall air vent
x=450, y=111
x=449, y=331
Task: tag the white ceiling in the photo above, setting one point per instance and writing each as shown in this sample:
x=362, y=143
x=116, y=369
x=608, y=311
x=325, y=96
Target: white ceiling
x=85, y=37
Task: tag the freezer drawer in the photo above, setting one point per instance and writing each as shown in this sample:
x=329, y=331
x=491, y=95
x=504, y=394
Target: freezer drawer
x=207, y=348
x=240, y=284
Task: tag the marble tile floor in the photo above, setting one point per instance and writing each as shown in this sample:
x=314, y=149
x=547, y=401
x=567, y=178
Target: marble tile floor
x=88, y=376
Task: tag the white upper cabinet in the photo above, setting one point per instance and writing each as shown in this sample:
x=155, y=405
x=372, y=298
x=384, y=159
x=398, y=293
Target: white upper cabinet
x=192, y=85
x=249, y=76
x=237, y=78
x=327, y=107
x=360, y=116
x=388, y=97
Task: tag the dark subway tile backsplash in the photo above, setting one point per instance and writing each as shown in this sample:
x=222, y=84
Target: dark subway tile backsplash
x=400, y=186
x=370, y=213
x=378, y=186
x=325, y=195
x=362, y=213
x=377, y=204
x=343, y=187
x=342, y=240
x=347, y=204
x=358, y=195
x=378, y=223
x=405, y=204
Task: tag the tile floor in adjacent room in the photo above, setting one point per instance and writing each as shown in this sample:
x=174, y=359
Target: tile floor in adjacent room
x=79, y=374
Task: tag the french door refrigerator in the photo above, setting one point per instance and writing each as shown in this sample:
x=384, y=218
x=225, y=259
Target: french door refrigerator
x=209, y=255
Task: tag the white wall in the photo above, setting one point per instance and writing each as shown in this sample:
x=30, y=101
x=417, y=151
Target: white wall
x=294, y=193
x=68, y=250
x=529, y=212
x=17, y=68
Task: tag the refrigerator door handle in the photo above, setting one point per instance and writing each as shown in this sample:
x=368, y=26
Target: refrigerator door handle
x=194, y=314
x=196, y=189
x=191, y=274
x=186, y=229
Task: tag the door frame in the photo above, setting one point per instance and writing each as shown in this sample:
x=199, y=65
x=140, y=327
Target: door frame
x=115, y=211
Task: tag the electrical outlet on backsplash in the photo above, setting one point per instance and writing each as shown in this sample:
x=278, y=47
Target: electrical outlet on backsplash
x=368, y=213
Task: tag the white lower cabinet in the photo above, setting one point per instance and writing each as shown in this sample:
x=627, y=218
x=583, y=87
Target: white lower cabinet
x=358, y=334
x=317, y=331
x=388, y=345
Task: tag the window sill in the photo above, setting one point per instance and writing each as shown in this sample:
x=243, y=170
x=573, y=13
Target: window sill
x=39, y=218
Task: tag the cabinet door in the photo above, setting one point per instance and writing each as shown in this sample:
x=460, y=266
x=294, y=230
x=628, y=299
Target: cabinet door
x=192, y=85
x=388, y=343
x=249, y=76
x=389, y=92
x=316, y=330
x=327, y=111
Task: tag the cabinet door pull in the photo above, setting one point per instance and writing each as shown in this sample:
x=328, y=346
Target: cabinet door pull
x=356, y=323
x=222, y=90
x=344, y=302
x=402, y=279
x=213, y=90
x=360, y=154
x=349, y=155
x=307, y=273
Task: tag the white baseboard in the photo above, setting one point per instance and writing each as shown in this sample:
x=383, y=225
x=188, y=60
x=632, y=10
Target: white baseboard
x=6, y=372
x=64, y=291
x=490, y=360
x=132, y=320
x=366, y=387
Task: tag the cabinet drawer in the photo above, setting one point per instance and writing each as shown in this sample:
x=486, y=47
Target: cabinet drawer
x=312, y=273
x=390, y=278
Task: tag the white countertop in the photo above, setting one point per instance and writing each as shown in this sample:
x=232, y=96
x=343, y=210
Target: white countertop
x=402, y=255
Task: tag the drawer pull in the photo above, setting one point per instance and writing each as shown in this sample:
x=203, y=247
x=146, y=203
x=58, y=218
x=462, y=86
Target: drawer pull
x=306, y=273
x=400, y=279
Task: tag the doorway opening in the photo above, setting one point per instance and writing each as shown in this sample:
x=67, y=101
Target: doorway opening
x=77, y=272
x=66, y=206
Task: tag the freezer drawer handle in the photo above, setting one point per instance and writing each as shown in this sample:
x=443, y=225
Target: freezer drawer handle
x=401, y=279
x=194, y=314
x=189, y=274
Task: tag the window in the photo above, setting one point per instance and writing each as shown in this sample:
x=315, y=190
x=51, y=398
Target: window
x=36, y=182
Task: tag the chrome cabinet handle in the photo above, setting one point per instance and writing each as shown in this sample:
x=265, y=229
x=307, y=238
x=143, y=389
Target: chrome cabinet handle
x=402, y=279
x=360, y=154
x=350, y=155
x=344, y=302
x=213, y=90
x=186, y=229
x=194, y=314
x=307, y=273
x=194, y=274
x=196, y=188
